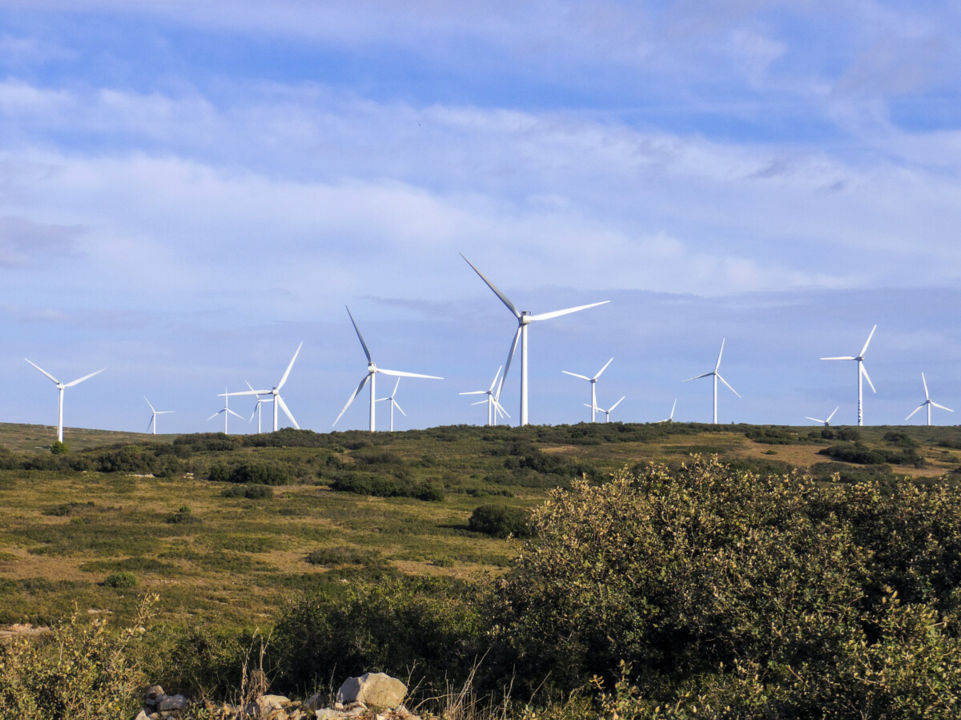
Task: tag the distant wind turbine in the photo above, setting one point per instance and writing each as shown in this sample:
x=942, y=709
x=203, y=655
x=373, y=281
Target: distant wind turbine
x=862, y=372
x=607, y=413
x=392, y=399
x=928, y=402
x=826, y=421
x=493, y=404
x=593, y=382
x=225, y=410
x=717, y=376
x=371, y=376
x=670, y=418
x=274, y=392
x=523, y=319
x=154, y=412
x=60, y=388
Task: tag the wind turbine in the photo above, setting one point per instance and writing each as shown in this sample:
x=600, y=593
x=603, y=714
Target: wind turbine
x=257, y=408
x=392, y=398
x=927, y=402
x=609, y=410
x=274, y=392
x=225, y=410
x=154, y=412
x=61, y=387
x=593, y=382
x=523, y=319
x=717, y=376
x=372, y=371
x=826, y=421
x=670, y=418
x=493, y=404
x=862, y=373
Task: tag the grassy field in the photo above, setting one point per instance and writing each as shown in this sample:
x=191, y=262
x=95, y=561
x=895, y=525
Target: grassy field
x=73, y=533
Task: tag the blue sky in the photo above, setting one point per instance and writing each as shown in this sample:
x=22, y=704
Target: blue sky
x=188, y=190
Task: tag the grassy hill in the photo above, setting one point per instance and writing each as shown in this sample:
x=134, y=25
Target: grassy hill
x=174, y=514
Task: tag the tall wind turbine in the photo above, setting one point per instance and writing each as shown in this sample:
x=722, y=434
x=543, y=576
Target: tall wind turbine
x=593, y=382
x=392, y=399
x=225, y=410
x=717, y=376
x=928, y=402
x=154, y=412
x=493, y=404
x=274, y=392
x=371, y=376
x=609, y=410
x=60, y=388
x=862, y=373
x=524, y=318
x=826, y=421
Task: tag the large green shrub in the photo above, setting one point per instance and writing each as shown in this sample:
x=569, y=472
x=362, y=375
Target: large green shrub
x=500, y=521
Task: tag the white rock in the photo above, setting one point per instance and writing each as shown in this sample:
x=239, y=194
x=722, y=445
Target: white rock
x=166, y=703
x=377, y=689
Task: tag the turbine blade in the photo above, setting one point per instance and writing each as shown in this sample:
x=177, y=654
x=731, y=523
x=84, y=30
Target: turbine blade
x=399, y=408
x=401, y=373
x=283, y=406
x=394, y=392
x=817, y=420
x=566, y=311
x=236, y=415
x=914, y=411
x=601, y=371
x=698, y=377
x=867, y=377
x=352, y=396
x=925, y=383
x=359, y=336
x=719, y=354
x=673, y=408
x=165, y=412
x=243, y=392
x=287, y=371
x=617, y=403
x=494, y=381
x=842, y=357
x=85, y=377
x=479, y=402
x=867, y=342
x=215, y=415
x=938, y=405
x=507, y=365
x=832, y=413
x=475, y=392
x=150, y=422
x=152, y=408
x=498, y=293
x=577, y=375
x=728, y=385
x=500, y=408
x=42, y=370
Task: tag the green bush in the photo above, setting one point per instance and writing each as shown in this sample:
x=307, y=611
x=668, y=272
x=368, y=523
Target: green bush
x=500, y=521
x=59, y=448
x=252, y=492
x=121, y=580
x=382, y=486
x=252, y=473
x=183, y=516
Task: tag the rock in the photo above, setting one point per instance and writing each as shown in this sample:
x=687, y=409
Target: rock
x=329, y=714
x=153, y=695
x=273, y=702
x=167, y=703
x=378, y=689
x=314, y=702
x=141, y=716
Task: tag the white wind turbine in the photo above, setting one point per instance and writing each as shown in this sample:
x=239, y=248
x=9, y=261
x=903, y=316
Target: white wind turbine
x=392, y=399
x=371, y=376
x=261, y=400
x=717, y=376
x=225, y=410
x=523, y=319
x=670, y=418
x=862, y=373
x=609, y=410
x=927, y=402
x=274, y=392
x=60, y=388
x=593, y=382
x=826, y=421
x=154, y=412
x=493, y=404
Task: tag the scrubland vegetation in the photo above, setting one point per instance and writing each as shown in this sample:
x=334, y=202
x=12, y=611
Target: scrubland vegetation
x=629, y=571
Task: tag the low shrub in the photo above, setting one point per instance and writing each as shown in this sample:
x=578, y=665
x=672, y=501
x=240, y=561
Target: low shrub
x=183, y=516
x=251, y=492
x=121, y=580
x=500, y=521
x=381, y=486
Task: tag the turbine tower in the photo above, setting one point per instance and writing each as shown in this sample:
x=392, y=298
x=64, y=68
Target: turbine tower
x=717, y=376
x=274, y=393
x=928, y=402
x=60, y=388
x=225, y=410
x=154, y=412
x=826, y=421
x=862, y=373
x=524, y=318
x=261, y=399
x=372, y=371
x=609, y=410
x=493, y=404
x=392, y=399
x=593, y=382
